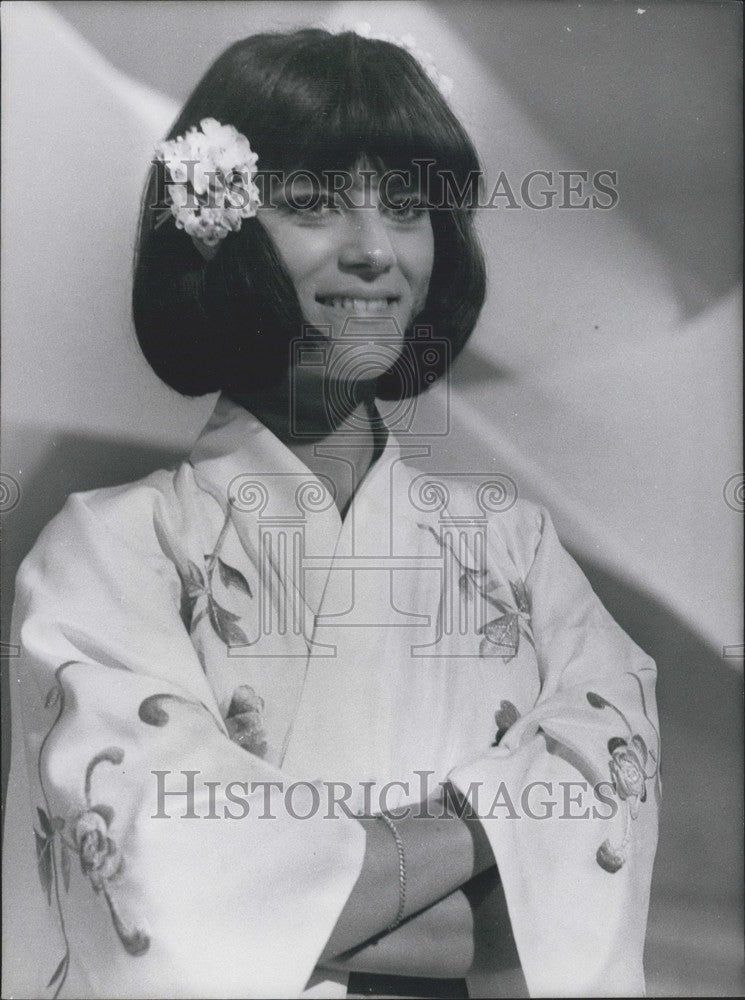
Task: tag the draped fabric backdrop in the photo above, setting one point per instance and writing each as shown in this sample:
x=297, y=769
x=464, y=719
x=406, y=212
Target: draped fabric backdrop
x=603, y=378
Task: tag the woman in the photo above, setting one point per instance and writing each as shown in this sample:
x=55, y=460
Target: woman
x=394, y=690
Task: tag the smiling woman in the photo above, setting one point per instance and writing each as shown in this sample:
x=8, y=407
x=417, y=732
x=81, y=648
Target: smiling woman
x=374, y=669
x=361, y=257
x=314, y=105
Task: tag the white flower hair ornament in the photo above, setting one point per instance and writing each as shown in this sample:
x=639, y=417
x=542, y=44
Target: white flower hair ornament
x=443, y=83
x=210, y=182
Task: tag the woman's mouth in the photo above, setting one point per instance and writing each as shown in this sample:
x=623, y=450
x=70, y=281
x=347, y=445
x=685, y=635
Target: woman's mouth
x=360, y=307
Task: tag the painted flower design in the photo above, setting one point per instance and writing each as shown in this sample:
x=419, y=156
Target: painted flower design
x=629, y=760
x=501, y=634
x=100, y=858
x=245, y=721
x=505, y=717
x=197, y=586
x=627, y=772
x=45, y=838
x=611, y=858
x=89, y=837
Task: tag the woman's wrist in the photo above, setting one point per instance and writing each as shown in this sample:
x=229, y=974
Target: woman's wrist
x=435, y=850
x=444, y=847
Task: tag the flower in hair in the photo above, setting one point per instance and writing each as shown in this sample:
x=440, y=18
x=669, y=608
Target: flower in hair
x=443, y=83
x=210, y=182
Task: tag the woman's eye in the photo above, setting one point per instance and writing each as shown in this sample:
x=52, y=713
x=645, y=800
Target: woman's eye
x=311, y=208
x=407, y=209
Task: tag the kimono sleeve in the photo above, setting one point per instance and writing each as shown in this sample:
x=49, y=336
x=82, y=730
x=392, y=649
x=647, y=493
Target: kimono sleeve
x=569, y=796
x=171, y=862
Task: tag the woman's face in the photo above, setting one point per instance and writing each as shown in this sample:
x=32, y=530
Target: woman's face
x=360, y=265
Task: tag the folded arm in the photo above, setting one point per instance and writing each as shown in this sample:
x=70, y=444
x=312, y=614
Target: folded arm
x=444, y=848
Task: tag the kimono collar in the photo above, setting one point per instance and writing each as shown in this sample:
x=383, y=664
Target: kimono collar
x=235, y=446
x=267, y=492
x=252, y=474
x=245, y=466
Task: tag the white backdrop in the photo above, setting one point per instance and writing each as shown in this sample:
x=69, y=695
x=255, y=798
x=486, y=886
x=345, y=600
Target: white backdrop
x=603, y=377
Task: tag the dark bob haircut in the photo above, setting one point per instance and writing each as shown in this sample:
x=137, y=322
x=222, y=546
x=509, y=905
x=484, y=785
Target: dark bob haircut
x=317, y=101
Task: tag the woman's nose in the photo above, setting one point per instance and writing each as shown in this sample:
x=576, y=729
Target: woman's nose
x=366, y=249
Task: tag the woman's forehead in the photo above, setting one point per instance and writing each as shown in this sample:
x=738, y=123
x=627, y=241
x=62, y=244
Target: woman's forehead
x=363, y=175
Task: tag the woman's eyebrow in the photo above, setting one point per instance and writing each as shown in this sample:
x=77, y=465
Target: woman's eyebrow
x=343, y=188
x=289, y=190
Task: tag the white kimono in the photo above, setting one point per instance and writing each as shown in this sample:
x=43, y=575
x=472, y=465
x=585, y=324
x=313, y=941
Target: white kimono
x=217, y=630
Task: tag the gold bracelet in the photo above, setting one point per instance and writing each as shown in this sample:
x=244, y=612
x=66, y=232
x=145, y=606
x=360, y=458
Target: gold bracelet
x=401, y=870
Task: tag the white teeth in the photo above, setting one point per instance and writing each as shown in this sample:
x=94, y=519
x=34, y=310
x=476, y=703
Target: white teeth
x=358, y=305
